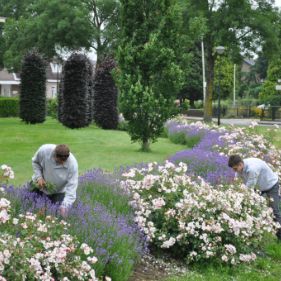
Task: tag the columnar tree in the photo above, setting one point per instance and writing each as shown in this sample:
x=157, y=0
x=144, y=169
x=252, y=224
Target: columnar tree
x=90, y=78
x=33, y=89
x=74, y=102
x=105, y=96
x=148, y=75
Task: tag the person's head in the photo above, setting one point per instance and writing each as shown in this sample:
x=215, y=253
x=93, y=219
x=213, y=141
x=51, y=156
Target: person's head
x=61, y=153
x=236, y=163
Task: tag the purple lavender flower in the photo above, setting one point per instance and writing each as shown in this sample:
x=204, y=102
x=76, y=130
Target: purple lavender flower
x=209, y=165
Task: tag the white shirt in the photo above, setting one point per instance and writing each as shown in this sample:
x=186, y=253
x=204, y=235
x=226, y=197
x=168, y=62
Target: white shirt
x=63, y=176
x=257, y=173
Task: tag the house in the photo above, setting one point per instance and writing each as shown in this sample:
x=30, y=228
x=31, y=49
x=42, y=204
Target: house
x=247, y=65
x=10, y=82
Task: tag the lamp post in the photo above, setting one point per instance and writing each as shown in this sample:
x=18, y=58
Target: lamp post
x=219, y=50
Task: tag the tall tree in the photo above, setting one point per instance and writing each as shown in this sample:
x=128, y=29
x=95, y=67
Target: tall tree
x=268, y=92
x=51, y=26
x=261, y=66
x=59, y=25
x=33, y=89
x=193, y=87
x=240, y=26
x=223, y=77
x=148, y=75
x=104, y=16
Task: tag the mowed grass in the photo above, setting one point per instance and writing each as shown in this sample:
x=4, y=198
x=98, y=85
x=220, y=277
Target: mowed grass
x=93, y=147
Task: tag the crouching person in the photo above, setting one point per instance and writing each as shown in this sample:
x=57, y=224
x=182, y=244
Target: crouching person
x=55, y=175
x=256, y=173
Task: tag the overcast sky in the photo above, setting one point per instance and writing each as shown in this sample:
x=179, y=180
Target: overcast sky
x=278, y=3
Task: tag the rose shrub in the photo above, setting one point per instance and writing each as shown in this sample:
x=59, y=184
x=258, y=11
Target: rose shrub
x=32, y=248
x=195, y=220
x=6, y=173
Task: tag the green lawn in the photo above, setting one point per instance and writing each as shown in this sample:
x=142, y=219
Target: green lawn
x=93, y=147
x=264, y=268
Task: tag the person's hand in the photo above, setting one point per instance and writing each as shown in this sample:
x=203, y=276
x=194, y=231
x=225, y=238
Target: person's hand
x=63, y=212
x=41, y=183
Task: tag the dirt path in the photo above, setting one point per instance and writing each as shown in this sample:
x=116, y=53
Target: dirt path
x=151, y=269
x=146, y=272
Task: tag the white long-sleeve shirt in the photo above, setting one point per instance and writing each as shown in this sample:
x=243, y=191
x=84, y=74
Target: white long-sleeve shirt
x=64, y=177
x=257, y=173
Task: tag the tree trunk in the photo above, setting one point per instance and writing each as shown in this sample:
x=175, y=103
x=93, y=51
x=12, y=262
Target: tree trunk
x=191, y=103
x=209, y=93
x=145, y=146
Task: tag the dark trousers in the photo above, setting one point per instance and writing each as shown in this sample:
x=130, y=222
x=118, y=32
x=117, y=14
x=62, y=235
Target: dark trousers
x=274, y=203
x=54, y=198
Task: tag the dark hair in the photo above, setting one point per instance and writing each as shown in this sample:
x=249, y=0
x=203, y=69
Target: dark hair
x=234, y=160
x=62, y=151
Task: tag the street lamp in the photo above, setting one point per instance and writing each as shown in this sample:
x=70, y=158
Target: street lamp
x=219, y=50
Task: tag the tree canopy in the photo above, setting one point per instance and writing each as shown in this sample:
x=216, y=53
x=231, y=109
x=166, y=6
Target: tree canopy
x=49, y=25
x=149, y=75
x=242, y=26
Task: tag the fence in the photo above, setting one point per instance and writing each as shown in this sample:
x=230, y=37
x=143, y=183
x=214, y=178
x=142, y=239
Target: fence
x=269, y=113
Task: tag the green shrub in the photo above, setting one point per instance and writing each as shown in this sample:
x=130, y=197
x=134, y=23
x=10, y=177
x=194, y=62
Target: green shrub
x=52, y=108
x=9, y=107
x=182, y=138
x=123, y=126
x=185, y=106
x=191, y=141
x=178, y=138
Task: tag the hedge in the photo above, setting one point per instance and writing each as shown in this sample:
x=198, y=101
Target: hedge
x=9, y=107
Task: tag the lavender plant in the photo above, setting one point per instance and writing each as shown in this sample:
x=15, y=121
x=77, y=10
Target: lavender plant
x=100, y=217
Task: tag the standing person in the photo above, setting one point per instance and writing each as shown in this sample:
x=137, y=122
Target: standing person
x=255, y=172
x=55, y=165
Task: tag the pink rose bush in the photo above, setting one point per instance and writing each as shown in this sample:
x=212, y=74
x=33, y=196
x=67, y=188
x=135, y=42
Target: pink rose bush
x=191, y=218
x=6, y=173
x=32, y=248
x=245, y=142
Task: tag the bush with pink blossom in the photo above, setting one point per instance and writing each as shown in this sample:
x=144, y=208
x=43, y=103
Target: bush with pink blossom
x=35, y=248
x=6, y=173
x=188, y=217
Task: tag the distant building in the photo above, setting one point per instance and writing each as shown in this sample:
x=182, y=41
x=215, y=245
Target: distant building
x=247, y=64
x=10, y=82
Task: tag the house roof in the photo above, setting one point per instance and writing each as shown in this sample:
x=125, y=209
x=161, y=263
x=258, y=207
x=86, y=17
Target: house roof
x=6, y=76
x=249, y=61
